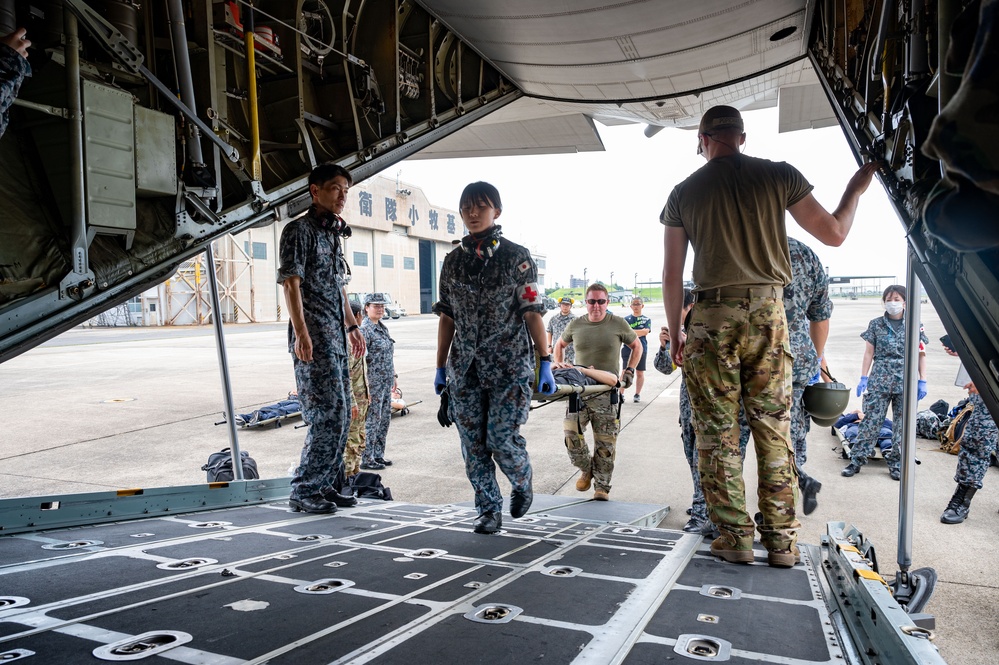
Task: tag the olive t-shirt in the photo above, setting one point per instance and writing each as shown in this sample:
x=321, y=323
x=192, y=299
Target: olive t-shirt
x=598, y=344
x=732, y=209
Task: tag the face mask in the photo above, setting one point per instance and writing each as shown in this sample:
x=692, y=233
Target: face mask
x=894, y=307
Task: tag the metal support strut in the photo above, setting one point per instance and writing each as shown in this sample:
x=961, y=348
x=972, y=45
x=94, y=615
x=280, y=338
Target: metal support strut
x=230, y=418
x=911, y=589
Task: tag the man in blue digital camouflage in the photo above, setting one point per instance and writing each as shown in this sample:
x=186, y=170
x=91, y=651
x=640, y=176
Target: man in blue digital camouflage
x=736, y=347
x=978, y=443
x=13, y=68
x=808, y=308
x=313, y=273
x=490, y=310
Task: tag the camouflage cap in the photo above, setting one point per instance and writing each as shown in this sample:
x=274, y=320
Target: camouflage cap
x=376, y=299
x=566, y=300
x=720, y=117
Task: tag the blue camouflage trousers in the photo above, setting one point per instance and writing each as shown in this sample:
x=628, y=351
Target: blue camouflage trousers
x=737, y=348
x=875, y=408
x=324, y=391
x=973, y=460
x=799, y=424
x=488, y=417
x=977, y=445
x=379, y=417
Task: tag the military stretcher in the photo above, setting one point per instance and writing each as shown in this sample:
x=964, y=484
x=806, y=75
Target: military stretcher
x=563, y=390
x=286, y=409
x=272, y=414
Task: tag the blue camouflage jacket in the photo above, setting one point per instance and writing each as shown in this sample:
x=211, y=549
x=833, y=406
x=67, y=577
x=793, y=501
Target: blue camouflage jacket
x=487, y=300
x=13, y=69
x=889, y=354
x=316, y=256
x=806, y=300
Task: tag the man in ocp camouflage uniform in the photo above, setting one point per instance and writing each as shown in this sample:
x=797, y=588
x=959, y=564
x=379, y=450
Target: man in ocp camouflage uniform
x=808, y=308
x=699, y=521
x=358, y=368
x=490, y=311
x=598, y=337
x=312, y=272
x=13, y=68
x=737, y=346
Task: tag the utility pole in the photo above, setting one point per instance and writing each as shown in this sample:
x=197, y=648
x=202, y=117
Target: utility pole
x=612, y=279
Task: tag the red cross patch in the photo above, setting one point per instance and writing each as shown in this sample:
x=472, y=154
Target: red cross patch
x=528, y=294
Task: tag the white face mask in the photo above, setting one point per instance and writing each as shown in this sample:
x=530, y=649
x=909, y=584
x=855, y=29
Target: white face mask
x=894, y=307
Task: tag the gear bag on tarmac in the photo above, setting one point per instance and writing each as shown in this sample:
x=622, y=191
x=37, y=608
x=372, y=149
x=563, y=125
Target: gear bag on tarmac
x=219, y=467
x=369, y=486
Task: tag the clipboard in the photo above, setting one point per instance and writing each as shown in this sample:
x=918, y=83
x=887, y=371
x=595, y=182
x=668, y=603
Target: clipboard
x=963, y=378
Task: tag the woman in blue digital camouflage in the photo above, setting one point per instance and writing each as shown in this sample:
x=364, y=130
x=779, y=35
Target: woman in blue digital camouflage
x=490, y=310
x=381, y=379
x=885, y=337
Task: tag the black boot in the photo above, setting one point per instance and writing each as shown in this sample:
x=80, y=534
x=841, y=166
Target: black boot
x=960, y=504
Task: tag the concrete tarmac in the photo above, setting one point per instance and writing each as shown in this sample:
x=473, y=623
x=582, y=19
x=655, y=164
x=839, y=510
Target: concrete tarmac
x=104, y=409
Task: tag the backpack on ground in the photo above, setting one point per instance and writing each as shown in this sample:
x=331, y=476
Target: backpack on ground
x=951, y=435
x=369, y=486
x=219, y=466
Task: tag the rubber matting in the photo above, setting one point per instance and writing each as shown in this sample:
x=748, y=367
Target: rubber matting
x=400, y=583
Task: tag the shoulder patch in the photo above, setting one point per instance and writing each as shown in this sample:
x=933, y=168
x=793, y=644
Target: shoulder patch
x=528, y=294
x=524, y=267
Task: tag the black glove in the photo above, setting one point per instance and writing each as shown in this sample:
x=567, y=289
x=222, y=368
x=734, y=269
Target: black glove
x=442, y=417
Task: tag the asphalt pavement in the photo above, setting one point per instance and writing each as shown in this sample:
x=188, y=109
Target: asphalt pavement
x=100, y=409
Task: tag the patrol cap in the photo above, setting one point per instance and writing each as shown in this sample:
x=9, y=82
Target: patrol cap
x=566, y=300
x=376, y=299
x=720, y=117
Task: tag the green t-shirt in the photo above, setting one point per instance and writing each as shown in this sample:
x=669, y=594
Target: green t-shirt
x=732, y=209
x=599, y=344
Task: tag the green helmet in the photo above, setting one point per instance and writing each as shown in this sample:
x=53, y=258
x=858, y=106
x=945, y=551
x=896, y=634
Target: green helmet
x=825, y=401
x=826, y=422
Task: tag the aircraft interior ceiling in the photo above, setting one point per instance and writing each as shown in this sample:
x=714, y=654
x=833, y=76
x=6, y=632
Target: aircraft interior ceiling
x=148, y=130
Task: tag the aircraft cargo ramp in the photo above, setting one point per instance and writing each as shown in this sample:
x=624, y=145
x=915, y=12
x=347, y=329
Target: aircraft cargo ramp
x=573, y=581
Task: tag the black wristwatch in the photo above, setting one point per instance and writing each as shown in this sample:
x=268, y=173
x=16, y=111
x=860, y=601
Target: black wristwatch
x=546, y=359
x=629, y=369
x=352, y=328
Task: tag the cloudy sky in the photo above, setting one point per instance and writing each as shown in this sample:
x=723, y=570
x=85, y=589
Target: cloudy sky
x=600, y=211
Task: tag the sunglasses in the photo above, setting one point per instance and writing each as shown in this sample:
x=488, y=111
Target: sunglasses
x=596, y=301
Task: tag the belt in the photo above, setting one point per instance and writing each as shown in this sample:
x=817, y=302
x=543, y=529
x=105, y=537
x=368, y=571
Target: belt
x=747, y=292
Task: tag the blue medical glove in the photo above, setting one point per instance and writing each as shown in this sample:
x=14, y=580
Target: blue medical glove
x=440, y=380
x=818, y=375
x=862, y=385
x=921, y=389
x=546, y=380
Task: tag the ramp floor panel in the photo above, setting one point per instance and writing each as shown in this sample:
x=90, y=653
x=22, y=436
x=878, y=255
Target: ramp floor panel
x=399, y=583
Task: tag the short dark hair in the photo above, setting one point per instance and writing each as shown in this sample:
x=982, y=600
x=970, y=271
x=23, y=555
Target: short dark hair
x=894, y=288
x=480, y=192
x=688, y=298
x=597, y=286
x=323, y=173
x=355, y=307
